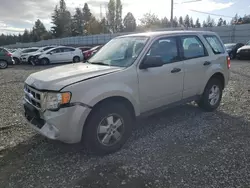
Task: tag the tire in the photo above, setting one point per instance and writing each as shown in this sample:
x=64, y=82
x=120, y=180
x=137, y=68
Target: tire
x=17, y=61
x=101, y=142
x=210, y=102
x=45, y=61
x=76, y=59
x=231, y=55
x=3, y=64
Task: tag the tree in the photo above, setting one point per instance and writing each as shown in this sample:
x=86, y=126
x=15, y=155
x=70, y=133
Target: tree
x=77, y=23
x=204, y=24
x=86, y=16
x=165, y=22
x=129, y=22
x=111, y=15
x=224, y=22
x=38, y=31
x=191, y=22
x=210, y=22
x=150, y=21
x=181, y=21
x=118, y=16
x=175, y=22
x=26, y=36
x=187, y=21
x=61, y=20
x=197, y=23
x=220, y=22
x=104, y=26
x=94, y=27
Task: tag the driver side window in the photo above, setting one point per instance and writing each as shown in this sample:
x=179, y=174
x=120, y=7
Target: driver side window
x=166, y=49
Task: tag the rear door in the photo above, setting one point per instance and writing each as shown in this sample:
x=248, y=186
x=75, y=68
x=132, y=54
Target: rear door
x=68, y=54
x=196, y=62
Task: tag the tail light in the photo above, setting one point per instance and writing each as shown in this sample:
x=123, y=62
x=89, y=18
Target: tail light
x=228, y=62
x=8, y=54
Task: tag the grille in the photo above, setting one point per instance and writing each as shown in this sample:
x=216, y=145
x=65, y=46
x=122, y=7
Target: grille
x=33, y=96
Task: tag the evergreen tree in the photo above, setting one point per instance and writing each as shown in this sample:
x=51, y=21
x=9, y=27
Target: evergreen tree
x=181, y=21
x=187, y=21
x=220, y=22
x=197, y=23
x=87, y=16
x=118, y=16
x=129, y=22
x=77, y=23
x=191, y=22
x=111, y=15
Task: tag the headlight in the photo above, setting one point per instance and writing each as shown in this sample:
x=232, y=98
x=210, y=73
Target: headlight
x=238, y=50
x=53, y=101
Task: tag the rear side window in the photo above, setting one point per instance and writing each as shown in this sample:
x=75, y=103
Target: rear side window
x=192, y=47
x=68, y=49
x=215, y=44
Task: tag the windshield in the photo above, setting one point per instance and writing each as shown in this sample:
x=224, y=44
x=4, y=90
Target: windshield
x=248, y=43
x=121, y=52
x=229, y=46
x=29, y=50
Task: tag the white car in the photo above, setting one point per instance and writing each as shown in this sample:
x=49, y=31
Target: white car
x=131, y=76
x=60, y=55
x=28, y=54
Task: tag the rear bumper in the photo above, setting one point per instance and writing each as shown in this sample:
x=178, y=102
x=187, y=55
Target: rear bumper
x=65, y=125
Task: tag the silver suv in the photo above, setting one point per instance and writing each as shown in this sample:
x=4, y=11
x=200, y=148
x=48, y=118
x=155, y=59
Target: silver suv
x=97, y=102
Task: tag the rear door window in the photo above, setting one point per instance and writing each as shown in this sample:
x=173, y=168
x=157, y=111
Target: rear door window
x=215, y=44
x=192, y=47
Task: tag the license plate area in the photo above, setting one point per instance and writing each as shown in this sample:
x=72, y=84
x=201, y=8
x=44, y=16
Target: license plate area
x=33, y=115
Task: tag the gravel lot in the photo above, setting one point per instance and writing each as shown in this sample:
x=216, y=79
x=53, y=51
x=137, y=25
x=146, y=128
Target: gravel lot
x=180, y=147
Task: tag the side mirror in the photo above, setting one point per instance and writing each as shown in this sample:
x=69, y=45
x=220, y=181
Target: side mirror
x=151, y=61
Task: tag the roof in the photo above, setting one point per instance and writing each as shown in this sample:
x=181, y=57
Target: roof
x=159, y=33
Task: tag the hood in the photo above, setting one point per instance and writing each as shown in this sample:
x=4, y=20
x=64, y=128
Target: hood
x=58, y=77
x=245, y=47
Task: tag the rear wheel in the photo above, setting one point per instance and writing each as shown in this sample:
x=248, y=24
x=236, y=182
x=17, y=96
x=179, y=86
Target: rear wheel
x=45, y=61
x=108, y=128
x=76, y=59
x=3, y=64
x=231, y=55
x=211, y=97
x=17, y=61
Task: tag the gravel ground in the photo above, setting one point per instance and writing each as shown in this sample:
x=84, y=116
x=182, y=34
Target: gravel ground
x=180, y=147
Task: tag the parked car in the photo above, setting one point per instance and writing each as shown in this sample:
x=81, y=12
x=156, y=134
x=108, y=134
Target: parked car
x=232, y=49
x=244, y=51
x=28, y=54
x=5, y=58
x=87, y=54
x=85, y=48
x=59, y=55
x=98, y=102
x=38, y=52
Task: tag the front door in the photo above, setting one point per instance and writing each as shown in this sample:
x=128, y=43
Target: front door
x=163, y=85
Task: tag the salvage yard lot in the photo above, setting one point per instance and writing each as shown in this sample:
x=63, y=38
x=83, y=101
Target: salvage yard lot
x=180, y=147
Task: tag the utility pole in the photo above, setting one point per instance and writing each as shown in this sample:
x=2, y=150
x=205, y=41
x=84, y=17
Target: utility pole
x=172, y=13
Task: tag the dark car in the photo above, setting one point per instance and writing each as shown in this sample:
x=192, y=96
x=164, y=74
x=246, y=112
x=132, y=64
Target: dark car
x=5, y=58
x=87, y=54
x=232, y=49
x=244, y=51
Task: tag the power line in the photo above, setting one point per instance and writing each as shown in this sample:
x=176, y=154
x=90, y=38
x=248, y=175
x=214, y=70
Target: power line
x=208, y=13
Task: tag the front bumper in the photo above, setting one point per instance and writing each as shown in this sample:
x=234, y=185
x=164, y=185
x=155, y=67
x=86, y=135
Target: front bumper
x=65, y=125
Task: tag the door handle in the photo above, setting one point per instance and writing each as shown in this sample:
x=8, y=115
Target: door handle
x=175, y=70
x=207, y=63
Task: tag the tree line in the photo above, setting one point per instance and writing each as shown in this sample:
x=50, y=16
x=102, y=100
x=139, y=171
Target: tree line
x=83, y=22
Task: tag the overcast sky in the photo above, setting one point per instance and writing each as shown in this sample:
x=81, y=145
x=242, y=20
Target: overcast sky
x=16, y=15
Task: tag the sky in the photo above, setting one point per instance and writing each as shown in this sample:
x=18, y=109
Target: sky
x=16, y=15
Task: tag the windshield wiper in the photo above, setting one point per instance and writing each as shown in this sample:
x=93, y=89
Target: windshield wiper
x=99, y=63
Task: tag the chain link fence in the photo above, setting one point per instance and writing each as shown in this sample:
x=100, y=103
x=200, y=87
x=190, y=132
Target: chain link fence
x=229, y=34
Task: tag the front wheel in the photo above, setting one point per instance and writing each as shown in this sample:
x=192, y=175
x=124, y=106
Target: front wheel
x=212, y=95
x=45, y=61
x=107, y=129
x=3, y=64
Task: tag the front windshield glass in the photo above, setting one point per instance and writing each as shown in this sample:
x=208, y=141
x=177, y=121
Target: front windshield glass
x=248, y=43
x=121, y=52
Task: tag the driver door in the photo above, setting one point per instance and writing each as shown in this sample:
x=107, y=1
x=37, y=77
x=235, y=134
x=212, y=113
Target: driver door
x=159, y=86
